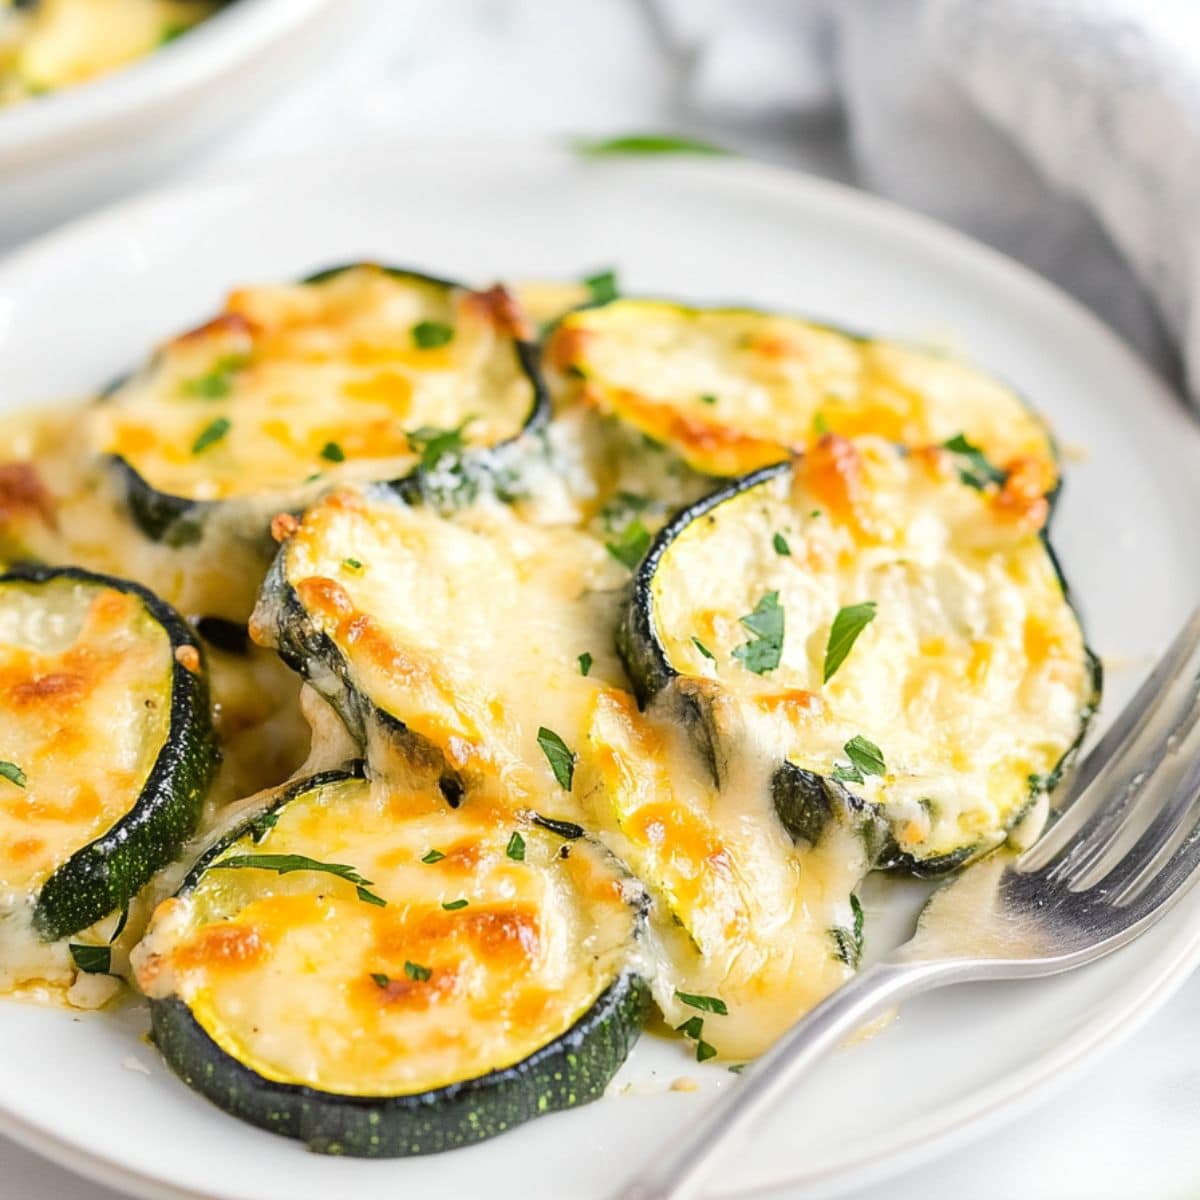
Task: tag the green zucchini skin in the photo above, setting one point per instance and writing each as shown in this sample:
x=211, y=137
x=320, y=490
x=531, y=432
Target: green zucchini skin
x=803, y=801
x=107, y=873
x=573, y=1069
x=179, y=521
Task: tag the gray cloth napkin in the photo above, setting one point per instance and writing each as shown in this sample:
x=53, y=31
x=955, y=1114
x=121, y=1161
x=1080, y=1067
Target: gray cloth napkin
x=1064, y=132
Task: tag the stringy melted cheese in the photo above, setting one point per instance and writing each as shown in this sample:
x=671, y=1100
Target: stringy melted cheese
x=733, y=389
x=324, y=379
x=279, y=969
x=59, y=43
x=971, y=678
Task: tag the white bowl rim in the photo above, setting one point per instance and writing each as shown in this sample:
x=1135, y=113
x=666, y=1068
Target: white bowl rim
x=233, y=36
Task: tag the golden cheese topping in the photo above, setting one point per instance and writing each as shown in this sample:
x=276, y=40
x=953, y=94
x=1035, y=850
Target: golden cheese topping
x=468, y=965
x=348, y=377
x=85, y=682
x=733, y=389
x=973, y=674
x=54, y=44
x=468, y=629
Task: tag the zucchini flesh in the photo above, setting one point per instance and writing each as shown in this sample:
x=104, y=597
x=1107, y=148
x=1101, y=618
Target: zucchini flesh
x=972, y=678
x=462, y=632
x=731, y=390
x=359, y=372
x=404, y=1021
x=107, y=722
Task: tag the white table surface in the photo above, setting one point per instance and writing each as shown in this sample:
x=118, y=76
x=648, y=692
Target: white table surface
x=1126, y=1127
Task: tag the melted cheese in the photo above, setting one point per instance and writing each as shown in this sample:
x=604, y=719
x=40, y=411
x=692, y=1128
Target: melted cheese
x=59, y=43
x=304, y=982
x=467, y=629
x=85, y=679
x=733, y=389
x=971, y=678
x=329, y=379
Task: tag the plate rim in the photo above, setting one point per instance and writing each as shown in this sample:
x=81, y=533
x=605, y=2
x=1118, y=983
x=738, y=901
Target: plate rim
x=989, y=1107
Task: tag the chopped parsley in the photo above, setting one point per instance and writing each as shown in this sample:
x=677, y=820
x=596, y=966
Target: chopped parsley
x=843, y=633
x=704, y=649
x=434, y=444
x=693, y=1028
x=284, y=864
x=216, y=383
x=865, y=759
x=763, y=651
x=781, y=546
x=566, y=829
x=559, y=756
x=602, y=287
x=212, y=433
x=820, y=425
x=973, y=467
x=417, y=972
x=712, y=1004
x=631, y=544
x=433, y=856
x=645, y=143
x=352, y=564
x=708, y=398
x=455, y=905
x=332, y=452
x=516, y=848
x=91, y=960
x=12, y=773
x=380, y=979
x=429, y=335
x=848, y=943
x=585, y=663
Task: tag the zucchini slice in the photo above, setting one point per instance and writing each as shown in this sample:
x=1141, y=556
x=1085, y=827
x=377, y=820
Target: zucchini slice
x=458, y=631
x=733, y=389
x=900, y=640
x=454, y=973
x=107, y=739
x=356, y=373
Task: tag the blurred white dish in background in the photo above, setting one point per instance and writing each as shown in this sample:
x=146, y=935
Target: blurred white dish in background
x=66, y=152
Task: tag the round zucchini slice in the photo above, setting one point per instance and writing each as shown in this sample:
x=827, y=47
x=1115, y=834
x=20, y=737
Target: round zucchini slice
x=375, y=973
x=477, y=633
x=107, y=743
x=733, y=389
x=900, y=641
x=357, y=373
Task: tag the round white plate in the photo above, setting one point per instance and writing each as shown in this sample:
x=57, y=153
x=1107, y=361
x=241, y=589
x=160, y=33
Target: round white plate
x=79, y=306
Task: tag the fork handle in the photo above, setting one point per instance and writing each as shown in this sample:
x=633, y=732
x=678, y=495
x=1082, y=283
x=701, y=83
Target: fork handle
x=677, y=1173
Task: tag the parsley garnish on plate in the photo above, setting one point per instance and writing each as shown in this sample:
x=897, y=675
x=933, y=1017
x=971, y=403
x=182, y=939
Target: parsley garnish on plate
x=433, y=856
x=285, y=864
x=843, y=633
x=693, y=1028
x=352, y=564
x=559, y=756
x=645, y=143
x=781, y=546
x=602, y=287
x=429, y=335
x=212, y=433
x=516, y=848
x=332, y=452
x=216, y=383
x=708, y=398
x=12, y=773
x=434, y=444
x=417, y=972
x=630, y=546
x=380, y=979
x=763, y=651
x=585, y=663
x=455, y=905
x=704, y=649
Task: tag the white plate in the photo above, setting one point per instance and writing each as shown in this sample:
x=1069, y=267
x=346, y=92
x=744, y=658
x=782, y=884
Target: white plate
x=81, y=305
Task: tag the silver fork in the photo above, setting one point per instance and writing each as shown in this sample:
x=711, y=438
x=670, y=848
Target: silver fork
x=1123, y=849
